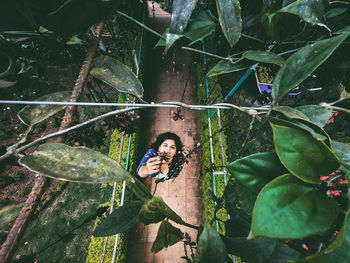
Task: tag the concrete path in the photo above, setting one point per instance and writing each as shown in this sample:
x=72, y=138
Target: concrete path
x=169, y=82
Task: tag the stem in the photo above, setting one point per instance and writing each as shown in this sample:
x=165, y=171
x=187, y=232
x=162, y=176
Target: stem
x=73, y=128
x=141, y=24
x=253, y=38
x=189, y=225
x=207, y=53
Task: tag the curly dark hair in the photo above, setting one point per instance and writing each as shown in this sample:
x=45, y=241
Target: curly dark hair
x=169, y=136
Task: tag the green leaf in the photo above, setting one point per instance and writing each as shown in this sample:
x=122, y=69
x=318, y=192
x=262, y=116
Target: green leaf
x=270, y=23
x=200, y=26
x=256, y=170
x=309, y=10
x=117, y=75
x=167, y=236
x=304, y=156
x=6, y=84
x=170, y=39
x=342, y=150
x=287, y=203
x=155, y=210
x=256, y=250
x=334, y=12
x=229, y=12
x=263, y=56
x=302, y=63
x=120, y=220
x=317, y=114
x=140, y=190
x=76, y=164
x=5, y=181
x=211, y=248
x=181, y=13
x=338, y=250
x=291, y=113
x=225, y=66
x=343, y=93
x=33, y=114
x=8, y=213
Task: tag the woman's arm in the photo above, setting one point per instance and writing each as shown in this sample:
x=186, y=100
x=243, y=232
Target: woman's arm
x=152, y=166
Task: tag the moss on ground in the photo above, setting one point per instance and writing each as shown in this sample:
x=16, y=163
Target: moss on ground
x=206, y=174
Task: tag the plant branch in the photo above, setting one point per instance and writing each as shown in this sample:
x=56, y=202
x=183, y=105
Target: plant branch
x=254, y=38
x=141, y=24
x=191, y=226
x=208, y=54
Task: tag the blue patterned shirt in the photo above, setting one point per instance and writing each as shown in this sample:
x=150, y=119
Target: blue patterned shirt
x=174, y=167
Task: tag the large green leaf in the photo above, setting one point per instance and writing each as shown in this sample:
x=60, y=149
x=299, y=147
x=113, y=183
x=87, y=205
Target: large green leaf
x=33, y=114
x=76, y=164
x=338, y=250
x=302, y=154
x=287, y=203
x=155, y=210
x=291, y=113
x=120, y=220
x=256, y=170
x=140, y=190
x=309, y=10
x=8, y=212
x=263, y=56
x=302, y=63
x=342, y=150
x=117, y=75
x=5, y=181
x=211, y=248
x=200, y=26
x=181, y=13
x=225, y=66
x=167, y=236
x=257, y=250
x=317, y=114
x=229, y=12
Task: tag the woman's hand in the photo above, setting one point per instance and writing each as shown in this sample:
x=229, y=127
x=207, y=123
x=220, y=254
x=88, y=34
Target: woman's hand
x=152, y=166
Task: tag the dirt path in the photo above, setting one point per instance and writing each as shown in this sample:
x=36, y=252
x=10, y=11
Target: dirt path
x=168, y=83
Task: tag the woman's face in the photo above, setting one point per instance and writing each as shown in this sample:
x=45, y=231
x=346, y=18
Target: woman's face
x=169, y=147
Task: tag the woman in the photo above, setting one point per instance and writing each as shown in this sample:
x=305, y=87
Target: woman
x=163, y=160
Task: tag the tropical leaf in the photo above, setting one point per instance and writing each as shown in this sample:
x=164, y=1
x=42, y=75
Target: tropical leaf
x=257, y=250
x=155, y=210
x=291, y=113
x=317, y=114
x=342, y=150
x=224, y=67
x=302, y=63
x=33, y=114
x=200, y=26
x=8, y=212
x=270, y=23
x=309, y=10
x=167, y=236
x=229, y=12
x=302, y=154
x=211, y=248
x=76, y=164
x=117, y=75
x=264, y=57
x=120, y=220
x=256, y=170
x=287, y=203
x=338, y=250
x=140, y=190
x=181, y=13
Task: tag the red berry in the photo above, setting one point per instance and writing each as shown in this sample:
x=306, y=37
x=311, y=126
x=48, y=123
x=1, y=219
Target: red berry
x=77, y=144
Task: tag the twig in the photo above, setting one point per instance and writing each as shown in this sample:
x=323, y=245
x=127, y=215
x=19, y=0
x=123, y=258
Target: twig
x=207, y=53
